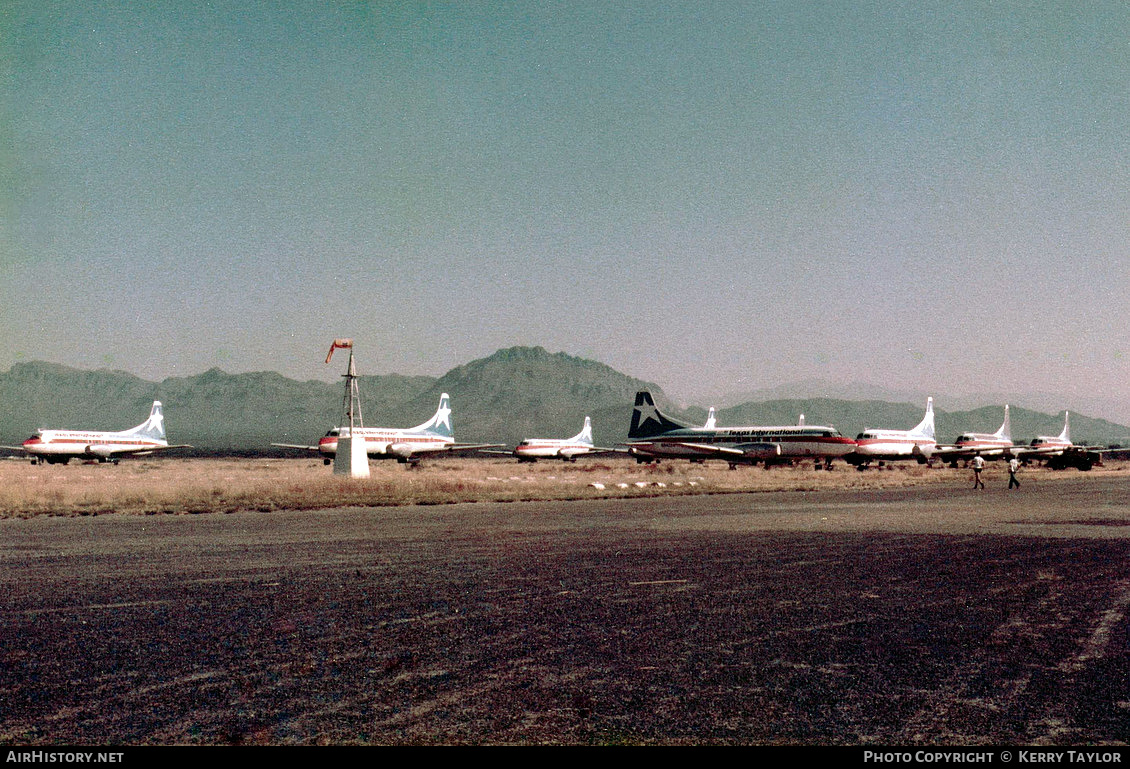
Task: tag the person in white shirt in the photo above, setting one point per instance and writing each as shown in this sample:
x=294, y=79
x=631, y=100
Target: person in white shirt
x=1013, y=467
x=978, y=466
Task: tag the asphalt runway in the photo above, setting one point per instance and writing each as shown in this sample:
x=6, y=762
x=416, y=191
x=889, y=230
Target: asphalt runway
x=903, y=616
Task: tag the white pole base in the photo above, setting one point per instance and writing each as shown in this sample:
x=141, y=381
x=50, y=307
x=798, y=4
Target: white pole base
x=351, y=458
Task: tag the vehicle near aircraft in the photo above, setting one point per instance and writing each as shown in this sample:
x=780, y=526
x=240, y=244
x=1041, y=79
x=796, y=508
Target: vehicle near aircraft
x=1058, y=452
x=406, y=445
x=566, y=449
x=1052, y=445
x=881, y=445
x=57, y=447
x=653, y=436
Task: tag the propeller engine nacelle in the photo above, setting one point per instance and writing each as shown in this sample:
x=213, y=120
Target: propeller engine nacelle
x=401, y=451
x=762, y=450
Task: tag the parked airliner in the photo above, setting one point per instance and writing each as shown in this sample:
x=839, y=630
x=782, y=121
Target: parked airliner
x=880, y=445
x=406, y=445
x=986, y=445
x=1054, y=445
x=61, y=446
x=567, y=449
x=653, y=435
x=1058, y=452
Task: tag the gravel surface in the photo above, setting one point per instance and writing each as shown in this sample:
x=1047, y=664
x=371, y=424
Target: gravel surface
x=900, y=616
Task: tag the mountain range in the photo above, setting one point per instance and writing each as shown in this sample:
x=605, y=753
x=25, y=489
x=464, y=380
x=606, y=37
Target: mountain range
x=516, y=393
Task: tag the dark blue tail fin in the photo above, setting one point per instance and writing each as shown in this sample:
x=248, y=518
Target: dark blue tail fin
x=647, y=420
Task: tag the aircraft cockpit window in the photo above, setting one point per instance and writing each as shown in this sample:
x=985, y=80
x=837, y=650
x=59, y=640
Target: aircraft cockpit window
x=332, y=433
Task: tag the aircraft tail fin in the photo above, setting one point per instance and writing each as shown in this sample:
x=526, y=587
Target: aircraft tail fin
x=1066, y=434
x=711, y=421
x=926, y=426
x=153, y=428
x=1006, y=429
x=585, y=435
x=440, y=423
x=647, y=420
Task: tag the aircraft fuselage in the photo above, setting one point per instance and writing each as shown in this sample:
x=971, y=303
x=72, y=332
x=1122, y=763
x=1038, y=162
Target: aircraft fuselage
x=386, y=443
x=61, y=446
x=755, y=443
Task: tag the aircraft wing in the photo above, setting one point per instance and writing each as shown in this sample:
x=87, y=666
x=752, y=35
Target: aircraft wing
x=98, y=450
x=953, y=453
x=1026, y=451
x=458, y=448
x=14, y=448
x=296, y=446
x=752, y=451
x=587, y=452
x=706, y=449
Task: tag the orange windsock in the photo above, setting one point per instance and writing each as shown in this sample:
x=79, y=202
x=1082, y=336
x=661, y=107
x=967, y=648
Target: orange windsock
x=338, y=343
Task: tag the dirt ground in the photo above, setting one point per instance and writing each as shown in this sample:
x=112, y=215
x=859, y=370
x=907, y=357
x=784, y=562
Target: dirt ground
x=921, y=615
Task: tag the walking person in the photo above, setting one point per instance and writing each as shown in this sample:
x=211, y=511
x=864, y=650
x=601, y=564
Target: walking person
x=1013, y=467
x=978, y=466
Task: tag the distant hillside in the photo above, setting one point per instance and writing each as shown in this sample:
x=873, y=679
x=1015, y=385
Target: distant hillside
x=34, y=395
x=524, y=392
x=515, y=393
x=213, y=411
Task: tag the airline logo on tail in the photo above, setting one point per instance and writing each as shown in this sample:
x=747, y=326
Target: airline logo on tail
x=925, y=428
x=585, y=435
x=648, y=421
x=440, y=423
x=154, y=427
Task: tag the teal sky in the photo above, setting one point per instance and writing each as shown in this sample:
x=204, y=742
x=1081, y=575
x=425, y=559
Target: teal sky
x=714, y=196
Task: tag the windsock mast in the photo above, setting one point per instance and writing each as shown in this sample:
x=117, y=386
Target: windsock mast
x=351, y=405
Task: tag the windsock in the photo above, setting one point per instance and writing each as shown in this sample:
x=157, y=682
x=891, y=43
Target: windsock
x=339, y=344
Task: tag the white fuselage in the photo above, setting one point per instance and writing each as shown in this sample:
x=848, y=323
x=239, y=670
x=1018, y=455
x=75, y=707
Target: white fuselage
x=1050, y=446
x=894, y=443
x=551, y=448
x=988, y=445
x=90, y=444
x=386, y=442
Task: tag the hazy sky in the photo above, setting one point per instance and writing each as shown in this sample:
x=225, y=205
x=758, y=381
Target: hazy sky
x=715, y=196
